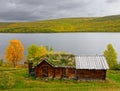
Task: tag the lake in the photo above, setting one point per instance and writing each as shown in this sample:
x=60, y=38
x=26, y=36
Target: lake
x=76, y=43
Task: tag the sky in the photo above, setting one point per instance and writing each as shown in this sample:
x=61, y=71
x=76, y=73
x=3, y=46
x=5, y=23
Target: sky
x=34, y=10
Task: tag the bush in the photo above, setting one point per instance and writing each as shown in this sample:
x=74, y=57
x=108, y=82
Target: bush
x=1, y=62
x=116, y=67
x=5, y=64
x=6, y=80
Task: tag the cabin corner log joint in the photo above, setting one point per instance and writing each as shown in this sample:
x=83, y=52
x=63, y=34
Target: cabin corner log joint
x=86, y=67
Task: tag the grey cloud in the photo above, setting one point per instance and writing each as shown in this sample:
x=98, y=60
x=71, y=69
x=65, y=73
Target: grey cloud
x=31, y=10
x=16, y=15
x=112, y=1
x=41, y=9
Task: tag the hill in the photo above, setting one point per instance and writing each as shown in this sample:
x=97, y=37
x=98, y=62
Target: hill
x=92, y=24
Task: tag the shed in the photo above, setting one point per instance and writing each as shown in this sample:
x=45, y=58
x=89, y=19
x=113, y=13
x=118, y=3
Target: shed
x=91, y=67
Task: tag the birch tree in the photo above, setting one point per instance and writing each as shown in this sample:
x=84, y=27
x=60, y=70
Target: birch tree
x=14, y=52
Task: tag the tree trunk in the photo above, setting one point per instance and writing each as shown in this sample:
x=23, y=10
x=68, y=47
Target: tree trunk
x=14, y=64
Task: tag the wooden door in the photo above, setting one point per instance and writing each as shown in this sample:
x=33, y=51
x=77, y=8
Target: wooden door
x=45, y=71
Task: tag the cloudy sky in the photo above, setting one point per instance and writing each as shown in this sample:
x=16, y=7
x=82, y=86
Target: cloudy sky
x=32, y=10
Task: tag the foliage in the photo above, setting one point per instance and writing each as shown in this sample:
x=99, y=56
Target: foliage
x=116, y=67
x=50, y=49
x=111, y=56
x=1, y=62
x=32, y=51
x=35, y=53
x=95, y=24
x=6, y=80
x=61, y=59
x=41, y=52
x=6, y=64
x=14, y=52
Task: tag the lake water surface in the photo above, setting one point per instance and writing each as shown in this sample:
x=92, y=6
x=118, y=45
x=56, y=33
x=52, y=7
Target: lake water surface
x=76, y=43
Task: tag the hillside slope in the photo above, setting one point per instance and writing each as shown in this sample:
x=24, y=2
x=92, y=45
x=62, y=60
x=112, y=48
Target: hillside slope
x=94, y=24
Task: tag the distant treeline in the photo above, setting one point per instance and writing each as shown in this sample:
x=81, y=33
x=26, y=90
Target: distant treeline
x=95, y=24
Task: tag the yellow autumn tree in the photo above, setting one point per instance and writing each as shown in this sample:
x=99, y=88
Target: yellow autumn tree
x=35, y=53
x=41, y=52
x=14, y=52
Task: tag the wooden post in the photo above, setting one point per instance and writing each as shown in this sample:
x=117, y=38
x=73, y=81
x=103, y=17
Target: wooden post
x=54, y=73
x=76, y=77
x=30, y=67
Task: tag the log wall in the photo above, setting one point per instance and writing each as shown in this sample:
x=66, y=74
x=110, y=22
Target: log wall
x=57, y=72
x=39, y=70
x=91, y=74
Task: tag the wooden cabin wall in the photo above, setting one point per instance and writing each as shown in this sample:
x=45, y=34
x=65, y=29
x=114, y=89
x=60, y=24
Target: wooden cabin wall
x=39, y=70
x=91, y=74
x=58, y=72
x=55, y=72
x=71, y=72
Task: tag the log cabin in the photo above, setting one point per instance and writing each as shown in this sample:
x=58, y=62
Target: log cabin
x=86, y=67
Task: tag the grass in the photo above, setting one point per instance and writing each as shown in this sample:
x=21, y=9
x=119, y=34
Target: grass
x=91, y=24
x=25, y=83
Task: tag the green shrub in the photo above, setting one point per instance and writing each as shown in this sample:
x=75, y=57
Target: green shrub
x=6, y=80
x=5, y=64
x=1, y=62
x=116, y=67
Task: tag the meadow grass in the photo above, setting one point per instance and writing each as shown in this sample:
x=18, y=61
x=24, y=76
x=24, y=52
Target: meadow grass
x=25, y=83
x=91, y=24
